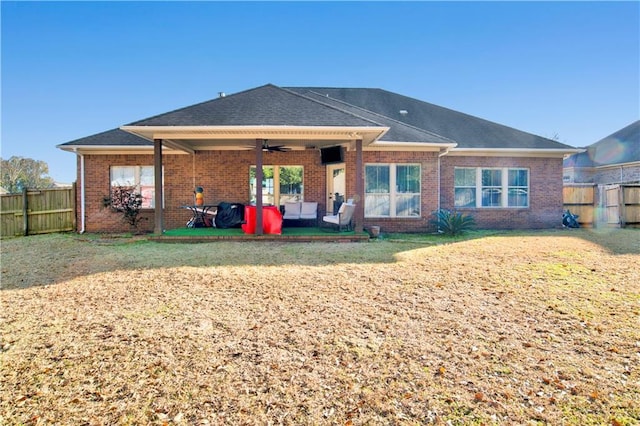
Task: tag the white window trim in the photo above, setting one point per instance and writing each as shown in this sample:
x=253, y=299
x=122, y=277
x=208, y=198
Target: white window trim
x=393, y=190
x=137, y=173
x=504, y=186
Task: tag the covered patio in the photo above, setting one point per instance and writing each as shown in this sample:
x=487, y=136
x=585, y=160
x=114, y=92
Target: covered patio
x=257, y=120
x=190, y=139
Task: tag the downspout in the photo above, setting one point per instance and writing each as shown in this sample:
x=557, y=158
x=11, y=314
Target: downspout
x=621, y=173
x=82, y=192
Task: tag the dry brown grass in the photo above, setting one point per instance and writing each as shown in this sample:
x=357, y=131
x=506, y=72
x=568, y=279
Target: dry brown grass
x=533, y=328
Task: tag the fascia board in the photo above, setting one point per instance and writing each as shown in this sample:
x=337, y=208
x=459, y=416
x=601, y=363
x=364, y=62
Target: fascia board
x=618, y=165
x=408, y=146
x=114, y=149
x=368, y=134
x=511, y=152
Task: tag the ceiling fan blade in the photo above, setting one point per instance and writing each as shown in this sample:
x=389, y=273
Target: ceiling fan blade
x=271, y=148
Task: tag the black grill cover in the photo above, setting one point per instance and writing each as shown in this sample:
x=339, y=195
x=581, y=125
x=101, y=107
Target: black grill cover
x=230, y=215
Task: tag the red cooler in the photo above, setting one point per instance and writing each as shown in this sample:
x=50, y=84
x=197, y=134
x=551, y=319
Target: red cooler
x=271, y=220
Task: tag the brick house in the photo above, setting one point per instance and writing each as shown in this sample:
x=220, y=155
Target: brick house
x=399, y=158
x=614, y=159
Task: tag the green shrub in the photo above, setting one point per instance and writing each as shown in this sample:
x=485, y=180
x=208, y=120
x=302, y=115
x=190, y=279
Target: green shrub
x=126, y=201
x=452, y=222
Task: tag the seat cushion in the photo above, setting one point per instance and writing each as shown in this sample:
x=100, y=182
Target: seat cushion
x=331, y=219
x=292, y=210
x=309, y=210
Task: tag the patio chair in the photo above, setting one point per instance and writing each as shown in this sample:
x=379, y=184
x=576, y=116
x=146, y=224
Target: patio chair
x=342, y=219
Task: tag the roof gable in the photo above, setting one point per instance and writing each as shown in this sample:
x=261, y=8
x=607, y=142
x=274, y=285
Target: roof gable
x=263, y=106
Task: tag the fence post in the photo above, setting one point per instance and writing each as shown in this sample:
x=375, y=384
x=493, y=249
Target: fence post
x=25, y=217
x=621, y=202
x=597, y=205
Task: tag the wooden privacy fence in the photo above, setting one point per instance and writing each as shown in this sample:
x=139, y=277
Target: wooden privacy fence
x=38, y=211
x=603, y=205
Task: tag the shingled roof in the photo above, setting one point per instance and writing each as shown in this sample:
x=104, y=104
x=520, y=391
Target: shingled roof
x=113, y=137
x=620, y=147
x=407, y=119
x=263, y=106
x=468, y=131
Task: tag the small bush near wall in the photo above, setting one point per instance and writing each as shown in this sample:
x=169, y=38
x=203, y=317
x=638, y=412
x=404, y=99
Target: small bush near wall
x=128, y=202
x=452, y=222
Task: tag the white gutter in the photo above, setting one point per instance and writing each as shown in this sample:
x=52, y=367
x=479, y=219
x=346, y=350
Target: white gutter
x=82, y=193
x=108, y=148
x=520, y=150
x=513, y=152
x=396, y=144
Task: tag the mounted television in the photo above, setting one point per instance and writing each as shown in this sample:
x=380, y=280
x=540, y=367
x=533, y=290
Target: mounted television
x=333, y=154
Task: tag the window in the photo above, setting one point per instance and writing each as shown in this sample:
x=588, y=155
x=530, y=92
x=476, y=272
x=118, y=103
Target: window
x=518, y=188
x=392, y=190
x=491, y=187
x=377, y=194
x=465, y=187
x=279, y=184
x=139, y=178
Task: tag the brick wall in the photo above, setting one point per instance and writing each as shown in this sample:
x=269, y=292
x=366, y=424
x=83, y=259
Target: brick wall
x=620, y=174
x=624, y=173
x=545, y=198
x=97, y=217
x=429, y=187
x=224, y=175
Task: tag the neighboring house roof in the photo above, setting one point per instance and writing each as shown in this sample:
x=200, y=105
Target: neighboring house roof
x=61, y=185
x=468, y=131
x=407, y=119
x=620, y=147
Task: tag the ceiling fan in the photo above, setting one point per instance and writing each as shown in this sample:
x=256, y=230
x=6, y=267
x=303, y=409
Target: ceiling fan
x=272, y=148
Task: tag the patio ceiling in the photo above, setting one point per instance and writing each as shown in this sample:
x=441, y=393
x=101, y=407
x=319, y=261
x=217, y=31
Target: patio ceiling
x=198, y=138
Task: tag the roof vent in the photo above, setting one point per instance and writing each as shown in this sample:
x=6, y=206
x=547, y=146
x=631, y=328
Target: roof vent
x=404, y=112
x=221, y=94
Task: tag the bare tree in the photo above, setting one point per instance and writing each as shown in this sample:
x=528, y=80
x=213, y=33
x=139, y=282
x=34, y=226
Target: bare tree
x=18, y=173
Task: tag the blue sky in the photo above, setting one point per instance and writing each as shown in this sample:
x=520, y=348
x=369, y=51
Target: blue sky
x=73, y=69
